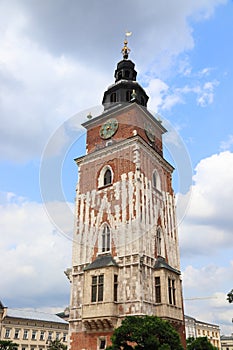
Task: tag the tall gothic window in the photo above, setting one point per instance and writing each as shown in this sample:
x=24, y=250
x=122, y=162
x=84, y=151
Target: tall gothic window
x=115, y=287
x=106, y=238
x=158, y=241
x=156, y=180
x=171, y=291
x=107, y=177
x=97, y=288
x=157, y=290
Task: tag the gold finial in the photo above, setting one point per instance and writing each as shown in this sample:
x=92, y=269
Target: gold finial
x=125, y=51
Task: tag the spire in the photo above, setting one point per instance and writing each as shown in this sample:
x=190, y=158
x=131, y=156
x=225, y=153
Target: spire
x=125, y=51
x=126, y=89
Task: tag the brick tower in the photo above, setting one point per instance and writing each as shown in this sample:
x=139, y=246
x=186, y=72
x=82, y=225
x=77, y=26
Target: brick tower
x=125, y=245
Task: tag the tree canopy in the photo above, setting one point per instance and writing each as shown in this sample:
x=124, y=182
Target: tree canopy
x=7, y=345
x=146, y=332
x=230, y=296
x=200, y=343
x=57, y=345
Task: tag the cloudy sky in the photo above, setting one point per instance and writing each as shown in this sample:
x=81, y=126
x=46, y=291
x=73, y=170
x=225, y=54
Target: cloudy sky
x=57, y=57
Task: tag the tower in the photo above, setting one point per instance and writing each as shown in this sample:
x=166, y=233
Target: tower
x=125, y=245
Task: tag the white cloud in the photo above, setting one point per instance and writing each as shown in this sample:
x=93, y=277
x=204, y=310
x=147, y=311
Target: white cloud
x=206, y=241
x=49, y=71
x=208, y=223
x=226, y=145
x=205, y=290
x=33, y=256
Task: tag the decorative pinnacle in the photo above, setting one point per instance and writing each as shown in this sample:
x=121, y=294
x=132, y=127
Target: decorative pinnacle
x=125, y=51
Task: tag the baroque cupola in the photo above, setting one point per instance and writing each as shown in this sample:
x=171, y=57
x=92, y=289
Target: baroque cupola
x=125, y=89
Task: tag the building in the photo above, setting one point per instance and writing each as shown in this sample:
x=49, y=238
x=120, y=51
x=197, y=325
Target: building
x=195, y=329
x=226, y=342
x=125, y=245
x=31, y=330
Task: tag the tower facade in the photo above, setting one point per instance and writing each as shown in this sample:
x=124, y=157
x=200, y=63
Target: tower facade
x=125, y=245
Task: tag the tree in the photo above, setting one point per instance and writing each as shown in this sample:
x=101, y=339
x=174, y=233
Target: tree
x=230, y=296
x=146, y=332
x=200, y=343
x=57, y=345
x=7, y=345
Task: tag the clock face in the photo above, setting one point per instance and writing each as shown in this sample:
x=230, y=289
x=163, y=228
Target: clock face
x=149, y=132
x=108, y=129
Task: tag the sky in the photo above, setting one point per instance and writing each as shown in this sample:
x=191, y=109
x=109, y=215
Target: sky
x=57, y=58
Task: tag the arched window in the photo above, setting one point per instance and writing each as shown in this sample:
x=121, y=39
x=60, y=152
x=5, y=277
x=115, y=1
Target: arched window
x=113, y=97
x=105, y=238
x=107, y=177
x=156, y=180
x=127, y=73
x=159, y=241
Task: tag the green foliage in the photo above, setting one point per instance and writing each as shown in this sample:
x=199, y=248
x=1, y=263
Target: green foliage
x=147, y=332
x=230, y=296
x=57, y=345
x=200, y=343
x=7, y=345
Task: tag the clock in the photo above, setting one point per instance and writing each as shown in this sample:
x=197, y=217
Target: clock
x=108, y=129
x=149, y=132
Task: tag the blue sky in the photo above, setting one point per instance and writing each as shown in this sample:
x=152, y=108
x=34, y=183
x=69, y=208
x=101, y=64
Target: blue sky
x=56, y=60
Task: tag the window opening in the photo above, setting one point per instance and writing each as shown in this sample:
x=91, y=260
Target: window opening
x=106, y=238
x=157, y=290
x=158, y=241
x=25, y=334
x=128, y=95
x=115, y=287
x=33, y=335
x=16, y=334
x=97, y=288
x=127, y=73
x=156, y=180
x=7, y=334
x=102, y=343
x=171, y=291
x=107, y=177
x=113, y=97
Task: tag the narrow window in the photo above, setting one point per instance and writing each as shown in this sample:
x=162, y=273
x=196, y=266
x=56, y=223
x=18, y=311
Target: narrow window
x=115, y=287
x=25, y=334
x=41, y=335
x=127, y=73
x=50, y=335
x=174, y=292
x=157, y=290
x=158, y=241
x=33, y=335
x=94, y=289
x=113, y=97
x=156, y=181
x=102, y=343
x=107, y=177
x=128, y=95
x=106, y=238
x=7, y=334
x=97, y=288
x=57, y=335
x=171, y=291
x=16, y=334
